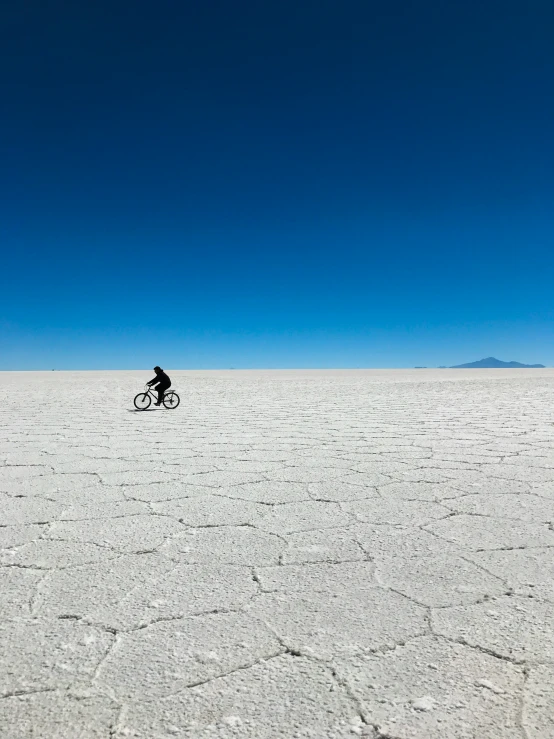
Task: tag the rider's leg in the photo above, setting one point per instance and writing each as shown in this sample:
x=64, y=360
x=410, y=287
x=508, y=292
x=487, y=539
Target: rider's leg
x=161, y=392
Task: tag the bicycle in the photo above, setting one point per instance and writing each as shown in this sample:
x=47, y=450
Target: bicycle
x=143, y=400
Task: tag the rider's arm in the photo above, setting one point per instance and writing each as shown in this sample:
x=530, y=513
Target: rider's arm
x=153, y=381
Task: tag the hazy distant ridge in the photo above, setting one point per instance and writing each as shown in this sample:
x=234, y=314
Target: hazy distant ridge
x=492, y=363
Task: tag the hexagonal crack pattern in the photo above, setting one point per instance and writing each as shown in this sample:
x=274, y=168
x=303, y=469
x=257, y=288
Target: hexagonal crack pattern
x=288, y=554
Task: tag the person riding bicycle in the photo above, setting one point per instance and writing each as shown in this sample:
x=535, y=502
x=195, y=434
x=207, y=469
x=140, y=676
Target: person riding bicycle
x=162, y=383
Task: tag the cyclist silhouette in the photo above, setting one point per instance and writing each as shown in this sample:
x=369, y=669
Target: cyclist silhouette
x=162, y=382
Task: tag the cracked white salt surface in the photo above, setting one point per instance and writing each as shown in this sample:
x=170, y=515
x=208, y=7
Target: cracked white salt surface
x=340, y=540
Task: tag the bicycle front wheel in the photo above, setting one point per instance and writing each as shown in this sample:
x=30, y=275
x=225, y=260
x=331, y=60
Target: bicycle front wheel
x=171, y=400
x=142, y=401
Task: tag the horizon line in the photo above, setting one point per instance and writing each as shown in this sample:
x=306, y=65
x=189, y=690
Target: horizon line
x=269, y=369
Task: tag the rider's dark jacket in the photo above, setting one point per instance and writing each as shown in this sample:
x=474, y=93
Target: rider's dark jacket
x=161, y=378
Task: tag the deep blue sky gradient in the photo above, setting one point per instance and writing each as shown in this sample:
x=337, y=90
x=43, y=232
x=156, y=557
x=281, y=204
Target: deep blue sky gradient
x=263, y=184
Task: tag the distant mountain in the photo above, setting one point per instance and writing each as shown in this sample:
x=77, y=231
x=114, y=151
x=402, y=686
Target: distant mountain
x=492, y=363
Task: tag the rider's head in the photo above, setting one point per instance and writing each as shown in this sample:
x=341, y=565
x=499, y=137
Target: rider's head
x=158, y=369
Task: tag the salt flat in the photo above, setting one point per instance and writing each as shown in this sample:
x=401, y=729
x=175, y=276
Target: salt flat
x=287, y=554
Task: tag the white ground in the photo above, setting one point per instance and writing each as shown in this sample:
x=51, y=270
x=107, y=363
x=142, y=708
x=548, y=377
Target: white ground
x=287, y=554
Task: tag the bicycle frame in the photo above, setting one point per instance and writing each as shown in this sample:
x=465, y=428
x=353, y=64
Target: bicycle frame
x=154, y=393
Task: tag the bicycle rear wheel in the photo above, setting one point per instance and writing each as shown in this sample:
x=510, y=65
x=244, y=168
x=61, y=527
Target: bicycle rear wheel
x=142, y=401
x=171, y=400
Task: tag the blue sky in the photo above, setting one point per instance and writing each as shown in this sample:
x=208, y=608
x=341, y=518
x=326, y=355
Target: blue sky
x=292, y=184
